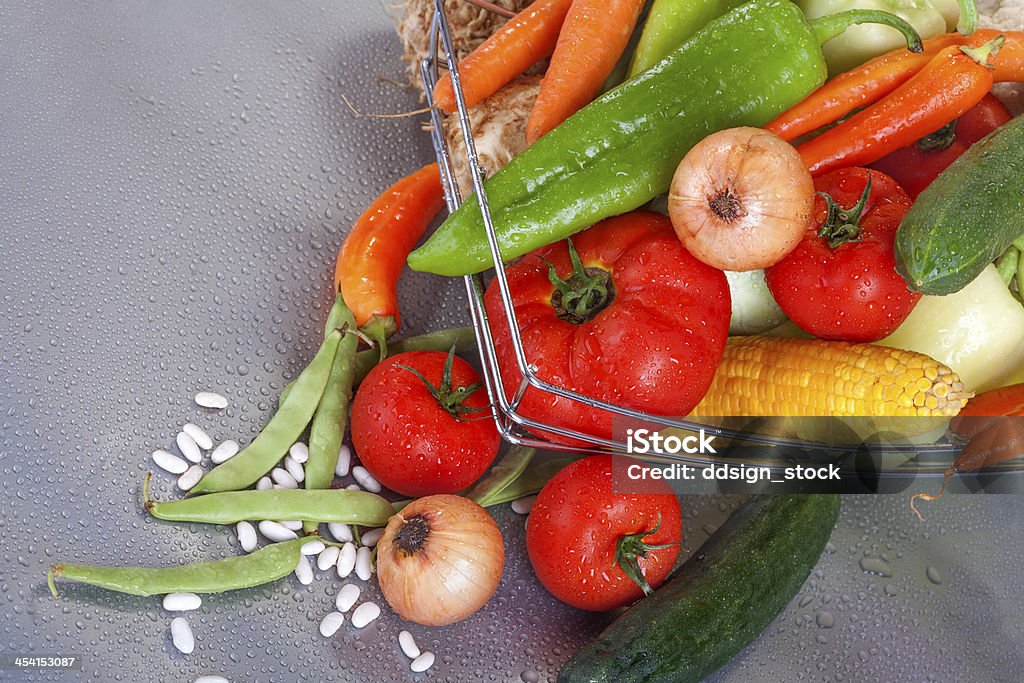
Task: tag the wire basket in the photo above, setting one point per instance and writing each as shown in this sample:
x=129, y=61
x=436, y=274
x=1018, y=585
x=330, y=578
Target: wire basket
x=513, y=425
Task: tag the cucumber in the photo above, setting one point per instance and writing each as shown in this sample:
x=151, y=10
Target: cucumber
x=967, y=217
x=719, y=600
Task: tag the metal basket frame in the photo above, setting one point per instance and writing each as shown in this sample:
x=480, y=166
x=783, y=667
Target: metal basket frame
x=513, y=426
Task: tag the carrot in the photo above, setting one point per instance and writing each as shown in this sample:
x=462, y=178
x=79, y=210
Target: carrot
x=524, y=40
x=992, y=423
x=951, y=83
x=593, y=37
x=875, y=79
x=374, y=253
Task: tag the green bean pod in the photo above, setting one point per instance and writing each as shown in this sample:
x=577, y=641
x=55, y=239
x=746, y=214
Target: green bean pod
x=327, y=430
x=464, y=339
x=262, y=566
x=1006, y=264
x=281, y=432
x=322, y=505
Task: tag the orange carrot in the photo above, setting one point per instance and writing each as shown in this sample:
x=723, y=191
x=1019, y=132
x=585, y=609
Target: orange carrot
x=593, y=37
x=524, y=40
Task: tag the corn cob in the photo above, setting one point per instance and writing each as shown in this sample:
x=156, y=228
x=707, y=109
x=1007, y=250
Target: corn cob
x=807, y=377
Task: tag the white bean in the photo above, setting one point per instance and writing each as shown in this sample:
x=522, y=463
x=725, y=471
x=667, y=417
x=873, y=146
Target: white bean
x=331, y=623
x=181, y=636
x=364, y=614
x=340, y=532
x=283, y=479
x=198, y=435
x=169, y=461
x=347, y=597
x=364, y=569
x=210, y=399
x=344, y=461
x=522, y=506
x=275, y=532
x=294, y=468
x=264, y=484
x=188, y=447
x=304, y=570
x=354, y=487
x=212, y=679
x=328, y=557
x=182, y=602
x=299, y=452
x=423, y=662
x=347, y=559
x=312, y=547
x=246, y=536
x=365, y=479
x=225, y=451
x=291, y=524
x=190, y=478
x=372, y=537
x=408, y=645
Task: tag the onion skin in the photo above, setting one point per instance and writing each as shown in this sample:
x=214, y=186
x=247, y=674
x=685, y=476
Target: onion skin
x=452, y=573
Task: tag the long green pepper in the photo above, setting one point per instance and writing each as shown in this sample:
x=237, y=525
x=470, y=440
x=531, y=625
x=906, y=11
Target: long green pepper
x=670, y=24
x=281, y=432
x=327, y=430
x=262, y=566
x=621, y=150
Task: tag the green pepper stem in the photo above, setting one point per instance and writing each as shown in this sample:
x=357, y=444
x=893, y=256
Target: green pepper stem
x=828, y=27
x=968, y=21
x=984, y=53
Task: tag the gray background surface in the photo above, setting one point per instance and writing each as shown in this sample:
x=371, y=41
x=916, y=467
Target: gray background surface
x=175, y=179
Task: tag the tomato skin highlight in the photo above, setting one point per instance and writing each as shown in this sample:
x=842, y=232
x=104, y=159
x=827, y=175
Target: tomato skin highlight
x=654, y=347
x=411, y=444
x=851, y=292
x=915, y=169
x=574, y=526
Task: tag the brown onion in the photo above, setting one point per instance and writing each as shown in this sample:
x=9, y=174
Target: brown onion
x=741, y=199
x=440, y=560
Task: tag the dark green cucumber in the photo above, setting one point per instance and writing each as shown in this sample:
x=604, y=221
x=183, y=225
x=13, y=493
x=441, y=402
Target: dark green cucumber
x=718, y=601
x=967, y=217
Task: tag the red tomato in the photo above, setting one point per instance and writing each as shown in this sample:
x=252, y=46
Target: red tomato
x=915, y=166
x=646, y=329
x=412, y=443
x=574, y=528
x=848, y=291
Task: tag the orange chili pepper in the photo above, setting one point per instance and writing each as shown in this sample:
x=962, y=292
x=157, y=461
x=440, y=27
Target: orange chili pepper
x=373, y=255
x=878, y=77
x=951, y=83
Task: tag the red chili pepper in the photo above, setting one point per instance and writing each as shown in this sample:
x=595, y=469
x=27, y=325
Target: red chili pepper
x=875, y=79
x=992, y=423
x=374, y=253
x=954, y=81
x=915, y=166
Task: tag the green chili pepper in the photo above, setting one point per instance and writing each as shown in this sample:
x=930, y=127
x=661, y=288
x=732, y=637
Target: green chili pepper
x=327, y=430
x=1007, y=264
x=464, y=339
x=620, y=151
x=855, y=46
x=670, y=24
x=263, y=566
x=281, y=432
x=322, y=505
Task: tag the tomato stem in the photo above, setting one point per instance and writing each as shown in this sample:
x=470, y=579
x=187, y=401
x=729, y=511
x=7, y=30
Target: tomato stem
x=452, y=399
x=630, y=547
x=843, y=225
x=584, y=294
x=941, y=139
